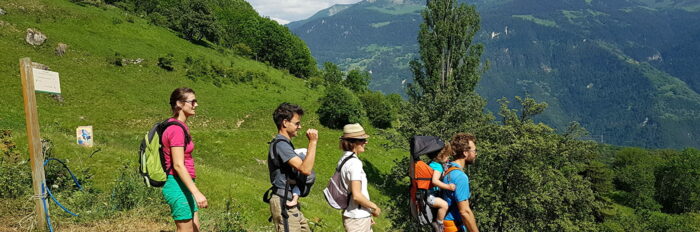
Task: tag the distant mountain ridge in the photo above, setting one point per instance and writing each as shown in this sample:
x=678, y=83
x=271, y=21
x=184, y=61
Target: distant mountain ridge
x=625, y=69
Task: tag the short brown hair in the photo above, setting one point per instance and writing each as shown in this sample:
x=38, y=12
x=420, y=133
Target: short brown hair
x=460, y=144
x=348, y=144
x=286, y=111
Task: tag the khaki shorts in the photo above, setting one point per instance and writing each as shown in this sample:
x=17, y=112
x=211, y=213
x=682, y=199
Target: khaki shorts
x=296, y=220
x=357, y=224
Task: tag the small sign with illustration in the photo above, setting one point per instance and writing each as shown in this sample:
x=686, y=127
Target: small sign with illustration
x=84, y=136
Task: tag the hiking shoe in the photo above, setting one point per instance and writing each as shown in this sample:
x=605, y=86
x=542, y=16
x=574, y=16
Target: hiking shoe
x=438, y=227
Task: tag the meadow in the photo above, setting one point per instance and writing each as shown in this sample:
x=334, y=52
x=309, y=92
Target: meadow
x=231, y=129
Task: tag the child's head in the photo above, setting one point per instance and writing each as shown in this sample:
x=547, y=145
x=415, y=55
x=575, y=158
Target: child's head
x=444, y=154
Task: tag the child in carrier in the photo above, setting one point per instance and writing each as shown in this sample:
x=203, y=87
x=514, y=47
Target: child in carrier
x=438, y=160
x=301, y=152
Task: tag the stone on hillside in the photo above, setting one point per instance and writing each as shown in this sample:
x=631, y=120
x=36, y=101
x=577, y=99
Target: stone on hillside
x=61, y=49
x=35, y=37
x=2, y=12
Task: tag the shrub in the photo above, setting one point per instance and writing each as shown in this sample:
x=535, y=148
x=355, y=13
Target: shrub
x=230, y=220
x=166, y=62
x=117, y=60
x=116, y=21
x=338, y=107
x=15, y=178
x=314, y=82
x=129, y=193
x=379, y=111
x=243, y=50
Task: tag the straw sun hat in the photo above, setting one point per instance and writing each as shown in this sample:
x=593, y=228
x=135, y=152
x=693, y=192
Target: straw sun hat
x=354, y=131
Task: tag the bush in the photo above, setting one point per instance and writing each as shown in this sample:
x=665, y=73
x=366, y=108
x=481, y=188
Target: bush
x=129, y=193
x=166, y=62
x=243, y=50
x=314, y=82
x=230, y=220
x=678, y=182
x=117, y=60
x=338, y=107
x=15, y=178
x=379, y=111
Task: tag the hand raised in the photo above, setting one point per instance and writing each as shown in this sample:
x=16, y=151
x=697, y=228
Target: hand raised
x=312, y=134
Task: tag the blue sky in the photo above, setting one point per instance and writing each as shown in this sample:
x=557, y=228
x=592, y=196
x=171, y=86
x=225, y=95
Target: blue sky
x=285, y=11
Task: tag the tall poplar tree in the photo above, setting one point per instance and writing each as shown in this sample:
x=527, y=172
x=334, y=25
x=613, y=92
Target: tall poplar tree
x=442, y=97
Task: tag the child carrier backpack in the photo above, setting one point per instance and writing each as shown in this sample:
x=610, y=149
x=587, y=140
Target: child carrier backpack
x=294, y=178
x=336, y=194
x=152, y=165
x=421, y=175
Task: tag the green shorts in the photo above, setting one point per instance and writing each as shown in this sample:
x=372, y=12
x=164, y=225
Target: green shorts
x=176, y=194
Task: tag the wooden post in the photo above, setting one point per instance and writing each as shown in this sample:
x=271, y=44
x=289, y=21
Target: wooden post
x=36, y=156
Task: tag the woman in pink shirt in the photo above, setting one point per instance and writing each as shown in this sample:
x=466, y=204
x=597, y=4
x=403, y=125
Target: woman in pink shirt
x=179, y=190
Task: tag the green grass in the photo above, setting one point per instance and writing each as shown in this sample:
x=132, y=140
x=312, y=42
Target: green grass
x=121, y=103
x=543, y=22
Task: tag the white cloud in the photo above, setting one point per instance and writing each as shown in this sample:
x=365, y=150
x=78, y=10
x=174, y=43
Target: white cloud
x=286, y=11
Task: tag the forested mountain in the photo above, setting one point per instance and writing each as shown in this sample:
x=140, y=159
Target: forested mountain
x=624, y=69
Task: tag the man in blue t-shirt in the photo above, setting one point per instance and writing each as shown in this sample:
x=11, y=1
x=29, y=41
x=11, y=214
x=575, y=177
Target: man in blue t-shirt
x=460, y=216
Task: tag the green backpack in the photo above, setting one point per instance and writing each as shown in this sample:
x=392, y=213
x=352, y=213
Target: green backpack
x=152, y=165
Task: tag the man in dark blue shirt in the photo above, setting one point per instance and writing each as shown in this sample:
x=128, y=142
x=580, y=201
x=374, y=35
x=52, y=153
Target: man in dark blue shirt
x=460, y=216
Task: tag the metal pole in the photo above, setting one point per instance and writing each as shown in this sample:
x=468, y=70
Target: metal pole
x=36, y=156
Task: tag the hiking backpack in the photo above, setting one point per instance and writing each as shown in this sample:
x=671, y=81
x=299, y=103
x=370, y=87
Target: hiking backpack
x=303, y=182
x=152, y=166
x=421, y=175
x=336, y=194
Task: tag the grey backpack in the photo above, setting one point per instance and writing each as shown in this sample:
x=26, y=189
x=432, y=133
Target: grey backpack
x=336, y=194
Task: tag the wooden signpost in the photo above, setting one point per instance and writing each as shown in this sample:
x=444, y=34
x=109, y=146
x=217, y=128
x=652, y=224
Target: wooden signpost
x=46, y=82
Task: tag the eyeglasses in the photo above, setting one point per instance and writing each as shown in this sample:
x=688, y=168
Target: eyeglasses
x=193, y=101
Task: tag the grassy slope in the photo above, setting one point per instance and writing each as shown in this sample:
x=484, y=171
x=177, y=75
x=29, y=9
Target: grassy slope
x=122, y=102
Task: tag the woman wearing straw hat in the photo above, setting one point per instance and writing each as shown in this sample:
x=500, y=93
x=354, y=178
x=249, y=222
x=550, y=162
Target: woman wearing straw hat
x=358, y=215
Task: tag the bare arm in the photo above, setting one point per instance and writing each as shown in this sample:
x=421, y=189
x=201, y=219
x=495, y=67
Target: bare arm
x=178, y=157
x=467, y=216
x=356, y=190
x=436, y=181
x=307, y=165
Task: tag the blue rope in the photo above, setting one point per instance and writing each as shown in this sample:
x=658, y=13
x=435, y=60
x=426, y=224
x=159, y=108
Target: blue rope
x=75, y=180
x=46, y=209
x=45, y=189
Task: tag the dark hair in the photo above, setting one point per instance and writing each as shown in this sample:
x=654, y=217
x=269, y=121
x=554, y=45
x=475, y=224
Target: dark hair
x=286, y=111
x=460, y=144
x=178, y=95
x=349, y=144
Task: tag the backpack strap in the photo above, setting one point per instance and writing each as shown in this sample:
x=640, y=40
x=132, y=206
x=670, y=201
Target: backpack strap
x=276, y=160
x=161, y=129
x=340, y=167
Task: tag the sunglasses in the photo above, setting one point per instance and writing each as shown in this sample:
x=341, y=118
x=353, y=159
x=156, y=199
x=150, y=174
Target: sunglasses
x=357, y=140
x=193, y=101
